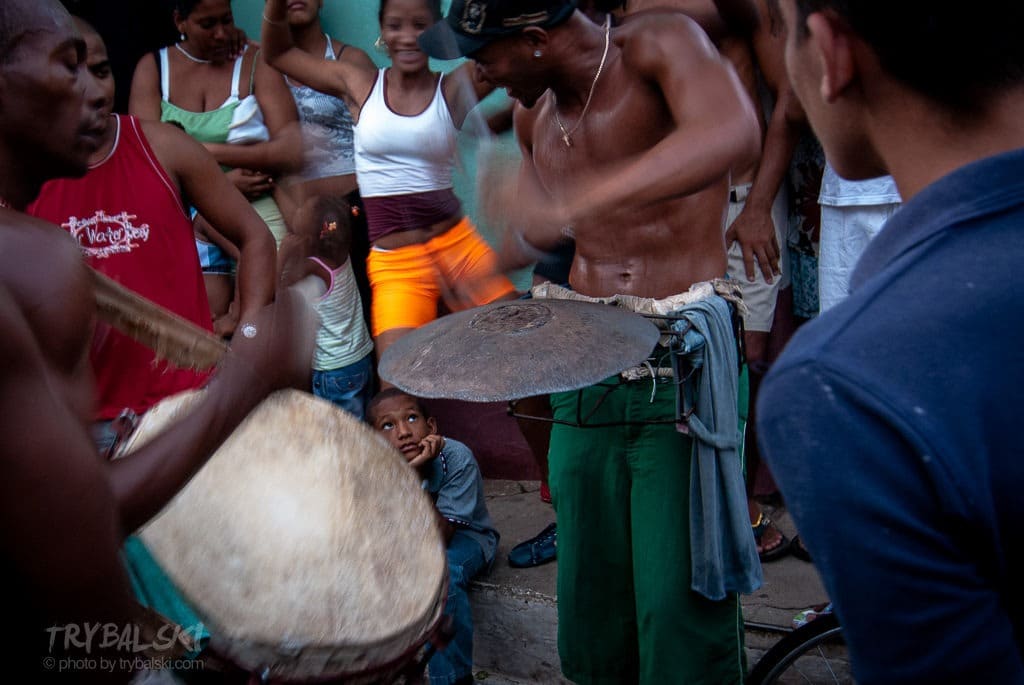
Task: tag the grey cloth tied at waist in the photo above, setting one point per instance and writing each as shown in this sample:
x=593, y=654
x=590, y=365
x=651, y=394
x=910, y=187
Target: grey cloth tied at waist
x=723, y=554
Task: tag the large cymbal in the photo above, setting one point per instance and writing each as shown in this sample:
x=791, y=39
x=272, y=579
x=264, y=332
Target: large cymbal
x=511, y=350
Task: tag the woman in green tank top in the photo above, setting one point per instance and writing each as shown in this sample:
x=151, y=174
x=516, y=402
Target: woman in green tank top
x=237, y=106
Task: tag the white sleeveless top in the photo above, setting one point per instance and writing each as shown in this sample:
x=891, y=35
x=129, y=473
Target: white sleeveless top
x=397, y=154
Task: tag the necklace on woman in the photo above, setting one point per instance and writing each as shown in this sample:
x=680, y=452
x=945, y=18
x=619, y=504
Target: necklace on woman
x=192, y=57
x=567, y=135
x=4, y=204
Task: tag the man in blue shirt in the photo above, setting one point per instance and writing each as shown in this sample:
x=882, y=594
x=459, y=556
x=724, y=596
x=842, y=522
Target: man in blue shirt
x=890, y=422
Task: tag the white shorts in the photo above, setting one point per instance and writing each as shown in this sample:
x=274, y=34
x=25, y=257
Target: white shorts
x=760, y=297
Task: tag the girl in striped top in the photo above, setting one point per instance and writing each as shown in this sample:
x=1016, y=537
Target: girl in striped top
x=343, y=358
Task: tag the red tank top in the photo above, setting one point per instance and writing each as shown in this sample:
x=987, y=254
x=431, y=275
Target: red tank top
x=128, y=218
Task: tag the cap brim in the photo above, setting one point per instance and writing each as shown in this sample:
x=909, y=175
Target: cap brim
x=441, y=41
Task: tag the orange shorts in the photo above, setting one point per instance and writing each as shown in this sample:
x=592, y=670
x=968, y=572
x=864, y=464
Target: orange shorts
x=408, y=282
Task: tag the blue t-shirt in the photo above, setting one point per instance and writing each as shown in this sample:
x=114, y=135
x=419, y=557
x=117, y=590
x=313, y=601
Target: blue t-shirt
x=891, y=426
x=454, y=480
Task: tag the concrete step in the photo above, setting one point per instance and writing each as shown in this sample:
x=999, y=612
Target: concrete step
x=516, y=616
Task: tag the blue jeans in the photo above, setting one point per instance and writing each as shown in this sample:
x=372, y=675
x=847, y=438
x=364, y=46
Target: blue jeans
x=348, y=387
x=465, y=561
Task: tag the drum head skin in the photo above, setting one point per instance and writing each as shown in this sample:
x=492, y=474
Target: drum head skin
x=306, y=542
x=512, y=350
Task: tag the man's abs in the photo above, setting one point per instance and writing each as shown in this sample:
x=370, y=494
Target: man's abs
x=654, y=253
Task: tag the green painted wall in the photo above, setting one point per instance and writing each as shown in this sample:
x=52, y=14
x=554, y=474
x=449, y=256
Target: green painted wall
x=355, y=22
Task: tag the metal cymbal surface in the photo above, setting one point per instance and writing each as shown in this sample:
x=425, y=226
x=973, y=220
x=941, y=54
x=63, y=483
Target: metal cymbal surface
x=510, y=350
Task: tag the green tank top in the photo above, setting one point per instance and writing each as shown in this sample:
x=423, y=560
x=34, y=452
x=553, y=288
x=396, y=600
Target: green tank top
x=213, y=127
x=206, y=127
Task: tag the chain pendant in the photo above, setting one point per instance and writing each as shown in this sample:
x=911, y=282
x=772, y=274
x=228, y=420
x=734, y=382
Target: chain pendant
x=567, y=135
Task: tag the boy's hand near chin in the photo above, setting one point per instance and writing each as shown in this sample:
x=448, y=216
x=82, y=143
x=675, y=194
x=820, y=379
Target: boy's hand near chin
x=431, y=447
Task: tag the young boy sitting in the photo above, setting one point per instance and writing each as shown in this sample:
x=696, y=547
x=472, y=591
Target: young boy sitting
x=451, y=475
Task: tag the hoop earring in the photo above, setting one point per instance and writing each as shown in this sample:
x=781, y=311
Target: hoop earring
x=380, y=44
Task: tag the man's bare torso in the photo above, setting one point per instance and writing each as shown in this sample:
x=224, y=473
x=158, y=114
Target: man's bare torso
x=652, y=251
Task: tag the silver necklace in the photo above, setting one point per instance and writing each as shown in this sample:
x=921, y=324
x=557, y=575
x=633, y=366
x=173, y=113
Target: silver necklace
x=191, y=56
x=567, y=135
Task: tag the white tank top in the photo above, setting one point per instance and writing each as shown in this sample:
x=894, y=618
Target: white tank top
x=397, y=154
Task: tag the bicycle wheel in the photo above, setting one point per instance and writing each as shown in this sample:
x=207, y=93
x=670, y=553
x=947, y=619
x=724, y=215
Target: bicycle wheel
x=813, y=653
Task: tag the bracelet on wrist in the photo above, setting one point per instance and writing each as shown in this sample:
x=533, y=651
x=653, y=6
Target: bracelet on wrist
x=278, y=22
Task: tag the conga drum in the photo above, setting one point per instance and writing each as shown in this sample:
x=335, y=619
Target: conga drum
x=305, y=543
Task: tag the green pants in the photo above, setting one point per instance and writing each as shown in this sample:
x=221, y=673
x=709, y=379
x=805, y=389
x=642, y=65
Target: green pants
x=626, y=613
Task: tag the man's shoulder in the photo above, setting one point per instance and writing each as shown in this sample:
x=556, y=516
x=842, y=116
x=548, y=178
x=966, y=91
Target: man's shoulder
x=825, y=343
x=24, y=237
x=658, y=25
x=160, y=135
x=658, y=40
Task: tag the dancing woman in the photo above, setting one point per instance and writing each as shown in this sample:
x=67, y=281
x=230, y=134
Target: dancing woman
x=406, y=118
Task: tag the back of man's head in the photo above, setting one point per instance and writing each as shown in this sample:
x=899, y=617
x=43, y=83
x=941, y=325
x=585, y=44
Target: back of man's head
x=13, y=18
x=957, y=54
x=17, y=20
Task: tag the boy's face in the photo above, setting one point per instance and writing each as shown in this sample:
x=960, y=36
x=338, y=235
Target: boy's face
x=402, y=423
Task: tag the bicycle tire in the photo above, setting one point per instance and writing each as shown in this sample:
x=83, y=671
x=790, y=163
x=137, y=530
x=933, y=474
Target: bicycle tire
x=784, y=653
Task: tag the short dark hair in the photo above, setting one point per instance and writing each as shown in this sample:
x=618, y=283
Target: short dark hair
x=959, y=56
x=185, y=7
x=13, y=20
x=389, y=393
x=8, y=31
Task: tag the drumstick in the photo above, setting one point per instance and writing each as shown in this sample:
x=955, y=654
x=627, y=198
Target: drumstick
x=172, y=337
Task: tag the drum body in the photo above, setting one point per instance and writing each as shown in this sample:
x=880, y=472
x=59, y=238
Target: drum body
x=305, y=543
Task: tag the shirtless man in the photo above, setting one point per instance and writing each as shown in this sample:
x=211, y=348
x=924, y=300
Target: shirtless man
x=629, y=138
x=63, y=511
x=748, y=34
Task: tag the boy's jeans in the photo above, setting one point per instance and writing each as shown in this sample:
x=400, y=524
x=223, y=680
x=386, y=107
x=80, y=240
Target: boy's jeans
x=465, y=561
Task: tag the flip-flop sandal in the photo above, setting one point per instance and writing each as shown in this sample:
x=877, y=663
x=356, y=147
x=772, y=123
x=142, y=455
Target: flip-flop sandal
x=797, y=549
x=808, y=615
x=780, y=550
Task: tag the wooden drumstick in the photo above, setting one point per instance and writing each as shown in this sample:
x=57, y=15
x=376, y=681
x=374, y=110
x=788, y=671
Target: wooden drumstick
x=170, y=336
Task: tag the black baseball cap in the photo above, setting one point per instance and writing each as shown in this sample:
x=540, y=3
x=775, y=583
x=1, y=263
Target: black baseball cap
x=472, y=24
